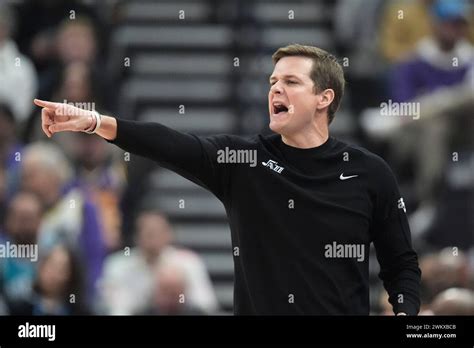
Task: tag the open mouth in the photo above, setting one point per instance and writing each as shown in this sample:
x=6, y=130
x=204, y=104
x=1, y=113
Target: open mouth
x=279, y=108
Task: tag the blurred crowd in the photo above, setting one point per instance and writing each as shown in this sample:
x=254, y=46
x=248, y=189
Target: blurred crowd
x=66, y=194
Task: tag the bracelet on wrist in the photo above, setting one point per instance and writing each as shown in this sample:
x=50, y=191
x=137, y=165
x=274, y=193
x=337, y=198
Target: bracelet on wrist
x=96, y=124
x=92, y=124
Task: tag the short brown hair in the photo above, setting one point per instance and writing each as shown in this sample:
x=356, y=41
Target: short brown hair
x=325, y=73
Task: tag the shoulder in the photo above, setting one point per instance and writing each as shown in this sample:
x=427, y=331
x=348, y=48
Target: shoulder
x=378, y=170
x=373, y=160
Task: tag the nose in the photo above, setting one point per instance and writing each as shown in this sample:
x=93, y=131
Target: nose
x=276, y=88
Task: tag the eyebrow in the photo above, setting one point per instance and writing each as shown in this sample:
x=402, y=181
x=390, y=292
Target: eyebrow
x=284, y=76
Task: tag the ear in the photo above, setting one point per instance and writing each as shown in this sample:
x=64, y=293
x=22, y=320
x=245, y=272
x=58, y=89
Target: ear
x=326, y=98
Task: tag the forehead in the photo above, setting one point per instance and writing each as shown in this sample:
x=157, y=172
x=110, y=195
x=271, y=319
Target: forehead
x=298, y=66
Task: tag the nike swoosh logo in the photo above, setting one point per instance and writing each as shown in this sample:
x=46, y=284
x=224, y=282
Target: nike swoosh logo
x=342, y=177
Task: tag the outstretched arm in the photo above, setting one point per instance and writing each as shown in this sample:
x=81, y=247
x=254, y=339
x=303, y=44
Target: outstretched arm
x=190, y=156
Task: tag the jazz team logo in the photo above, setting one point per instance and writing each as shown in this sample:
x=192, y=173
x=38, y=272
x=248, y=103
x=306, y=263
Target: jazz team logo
x=273, y=166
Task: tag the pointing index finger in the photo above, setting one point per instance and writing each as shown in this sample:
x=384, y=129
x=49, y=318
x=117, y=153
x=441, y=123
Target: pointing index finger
x=46, y=104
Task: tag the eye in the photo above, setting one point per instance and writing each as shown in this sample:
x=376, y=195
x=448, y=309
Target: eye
x=291, y=82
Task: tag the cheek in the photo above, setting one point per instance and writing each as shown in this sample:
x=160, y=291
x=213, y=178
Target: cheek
x=47, y=274
x=302, y=104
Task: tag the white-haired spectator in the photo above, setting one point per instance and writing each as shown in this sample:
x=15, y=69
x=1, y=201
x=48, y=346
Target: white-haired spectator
x=454, y=301
x=169, y=293
x=129, y=276
x=71, y=216
x=17, y=72
x=45, y=171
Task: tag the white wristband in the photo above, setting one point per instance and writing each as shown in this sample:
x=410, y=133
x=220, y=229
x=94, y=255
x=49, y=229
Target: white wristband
x=98, y=119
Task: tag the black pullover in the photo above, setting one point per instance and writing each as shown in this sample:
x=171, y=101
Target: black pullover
x=301, y=220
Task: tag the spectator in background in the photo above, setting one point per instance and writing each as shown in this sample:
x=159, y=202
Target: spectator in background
x=76, y=42
x=71, y=216
x=10, y=152
x=22, y=225
x=169, y=293
x=57, y=288
x=78, y=75
x=17, y=73
x=453, y=301
x=439, y=65
x=38, y=23
x=446, y=287
x=76, y=84
x=404, y=23
x=441, y=271
x=128, y=278
x=440, y=60
x=98, y=170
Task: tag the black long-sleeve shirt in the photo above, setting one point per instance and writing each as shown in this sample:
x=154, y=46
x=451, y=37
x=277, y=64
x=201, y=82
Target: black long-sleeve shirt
x=301, y=220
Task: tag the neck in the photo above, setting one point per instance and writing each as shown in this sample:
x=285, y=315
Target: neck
x=315, y=136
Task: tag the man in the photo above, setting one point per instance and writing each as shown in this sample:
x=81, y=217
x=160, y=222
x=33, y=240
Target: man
x=128, y=278
x=303, y=215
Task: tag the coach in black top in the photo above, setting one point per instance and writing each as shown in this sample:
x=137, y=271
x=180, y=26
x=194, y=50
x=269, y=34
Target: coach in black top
x=303, y=207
